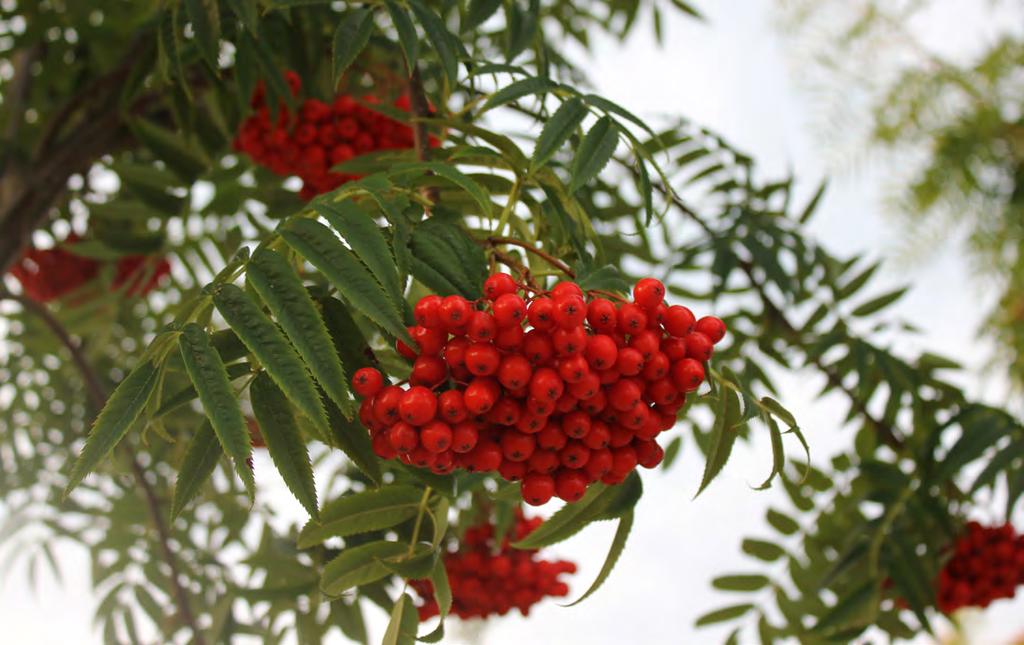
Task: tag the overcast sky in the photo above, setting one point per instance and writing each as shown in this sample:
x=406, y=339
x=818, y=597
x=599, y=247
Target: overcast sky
x=733, y=76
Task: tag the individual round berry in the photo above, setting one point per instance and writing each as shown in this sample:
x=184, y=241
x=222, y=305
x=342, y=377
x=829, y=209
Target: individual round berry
x=482, y=327
x=541, y=314
x=624, y=394
x=566, y=288
x=427, y=312
x=576, y=424
x=382, y=446
x=537, y=489
x=544, y=462
x=599, y=464
x=436, y=436
x=455, y=312
x=648, y=453
x=517, y=446
x=552, y=437
x=546, y=384
x=540, y=407
x=481, y=395
x=451, y=407
x=679, y=321
x=367, y=381
x=422, y=458
x=403, y=437
x=455, y=352
x=573, y=368
x=586, y=387
x=509, y=310
x=385, y=404
x=537, y=347
x=647, y=342
x=570, y=311
x=629, y=361
x=656, y=367
x=510, y=339
x=417, y=406
x=514, y=372
x=430, y=342
x=674, y=348
x=569, y=342
x=601, y=351
x=512, y=471
x=699, y=346
x=498, y=285
x=648, y=293
x=711, y=327
x=662, y=392
x=574, y=455
x=599, y=436
x=595, y=404
x=620, y=436
x=632, y=319
x=444, y=463
x=656, y=317
x=506, y=412
x=464, y=437
x=602, y=315
x=428, y=371
x=485, y=457
x=624, y=460
x=482, y=359
x=570, y=485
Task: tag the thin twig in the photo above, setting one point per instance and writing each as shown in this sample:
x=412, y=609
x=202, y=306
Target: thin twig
x=526, y=246
x=420, y=134
x=98, y=395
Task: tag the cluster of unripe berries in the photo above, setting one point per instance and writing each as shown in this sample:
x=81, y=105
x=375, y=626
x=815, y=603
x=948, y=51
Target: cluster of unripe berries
x=987, y=564
x=318, y=137
x=48, y=274
x=557, y=392
x=487, y=581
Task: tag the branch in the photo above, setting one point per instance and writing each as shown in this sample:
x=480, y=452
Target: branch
x=98, y=395
x=547, y=257
x=420, y=134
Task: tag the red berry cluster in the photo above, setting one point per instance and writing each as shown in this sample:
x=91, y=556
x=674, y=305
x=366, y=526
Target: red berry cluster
x=554, y=391
x=319, y=137
x=487, y=581
x=48, y=274
x=987, y=564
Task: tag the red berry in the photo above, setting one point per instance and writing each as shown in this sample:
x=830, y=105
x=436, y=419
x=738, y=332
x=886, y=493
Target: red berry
x=679, y=321
x=586, y=387
x=403, y=437
x=451, y=407
x=566, y=288
x=599, y=435
x=428, y=371
x=632, y=319
x=551, y=437
x=515, y=372
x=711, y=327
x=537, y=347
x=455, y=352
x=481, y=395
x=546, y=384
x=498, y=285
x=576, y=424
x=601, y=351
x=629, y=361
x=436, y=436
x=385, y=404
x=544, y=461
x=599, y=464
x=482, y=359
x=601, y=315
x=464, y=437
x=648, y=293
x=648, y=453
x=429, y=341
x=512, y=471
x=573, y=369
x=537, y=489
x=687, y=374
x=570, y=311
x=427, y=312
x=624, y=394
x=482, y=327
x=699, y=346
x=656, y=367
x=509, y=310
x=568, y=342
x=455, y=312
x=367, y=381
x=417, y=406
x=574, y=455
x=517, y=446
x=570, y=485
x=510, y=339
x=623, y=460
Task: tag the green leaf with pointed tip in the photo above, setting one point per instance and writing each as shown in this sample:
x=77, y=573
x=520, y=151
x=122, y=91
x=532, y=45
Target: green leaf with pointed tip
x=407, y=36
x=207, y=373
x=366, y=240
x=188, y=161
x=440, y=38
x=617, y=546
x=740, y=582
x=285, y=444
x=266, y=341
x=517, y=90
x=600, y=502
x=723, y=436
x=557, y=130
x=881, y=302
x=781, y=522
x=594, y=153
x=120, y=412
x=318, y=244
x=416, y=566
x=205, y=18
x=478, y=12
x=404, y=621
x=281, y=289
x=350, y=38
x=188, y=393
x=778, y=453
x=204, y=451
x=354, y=441
x=722, y=615
x=610, y=107
x=763, y=550
x=855, y=609
x=372, y=510
x=455, y=176
x=442, y=590
x=359, y=565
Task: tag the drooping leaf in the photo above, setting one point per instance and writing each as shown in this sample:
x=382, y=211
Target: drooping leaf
x=120, y=412
x=285, y=444
x=371, y=510
x=557, y=131
x=724, y=614
x=881, y=302
x=207, y=373
x=517, y=90
x=359, y=565
x=723, y=436
x=594, y=153
x=204, y=451
x=778, y=453
x=407, y=36
x=354, y=441
x=455, y=176
x=350, y=39
x=614, y=551
x=266, y=341
x=317, y=243
x=403, y=623
x=281, y=289
x=444, y=43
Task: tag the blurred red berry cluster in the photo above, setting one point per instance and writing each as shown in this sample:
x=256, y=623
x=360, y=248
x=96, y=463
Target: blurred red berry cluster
x=308, y=144
x=486, y=581
x=987, y=564
x=557, y=391
x=48, y=274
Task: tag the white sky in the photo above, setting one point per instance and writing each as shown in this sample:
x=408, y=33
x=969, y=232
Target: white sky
x=733, y=76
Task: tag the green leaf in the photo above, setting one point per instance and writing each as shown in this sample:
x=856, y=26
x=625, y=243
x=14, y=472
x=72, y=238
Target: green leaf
x=599, y=502
x=248, y=12
x=266, y=341
x=812, y=205
x=763, y=550
x=285, y=444
x=404, y=621
x=443, y=41
x=359, y=565
x=740, y=582
x=479, y=11
x=354, y=441
x=276, y=85
x=778, y=453
x=594, y=153
x=372, y=510
x=318, y=244
x=855, y=284
x=452, y=174
x=204, y=451
x=781, y=522
x=186, y=160
x=779, y=411
x=120, y=412
x=517, y=90
x=855, y=609
x=205, y=18
x=879, y=303
x=617, y=546
x=277, y=284
x=557, y=131
x=724, y=614
x=407, y=36
x=206, y=371
x=350, y=38
x=723, y=436
x=366, y=240
x=416, y=566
